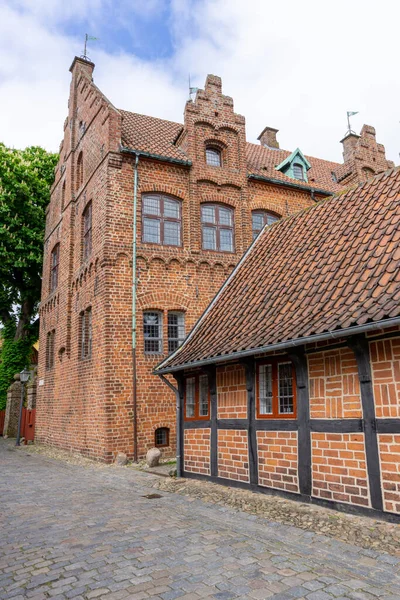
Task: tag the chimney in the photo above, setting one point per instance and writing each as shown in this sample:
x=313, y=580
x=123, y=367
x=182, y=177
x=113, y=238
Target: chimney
x=349, y=145
x=82, y=65
x=268, y=137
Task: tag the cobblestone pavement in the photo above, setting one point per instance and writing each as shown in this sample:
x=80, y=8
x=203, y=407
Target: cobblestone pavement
x=75, y=532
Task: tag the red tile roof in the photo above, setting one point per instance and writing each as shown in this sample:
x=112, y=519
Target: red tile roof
x=327, y=268
x=157, y=136
x=148, y=134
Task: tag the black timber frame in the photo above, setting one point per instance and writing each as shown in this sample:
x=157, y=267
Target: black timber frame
x=369, y=425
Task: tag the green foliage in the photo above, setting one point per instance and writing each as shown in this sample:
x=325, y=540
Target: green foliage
x=14, y=356
x=25, y=180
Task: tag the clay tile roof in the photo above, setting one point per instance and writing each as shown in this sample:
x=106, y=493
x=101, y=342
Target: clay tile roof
x=262, y=161
x=148, y=134
x=327, y=268
x=157, y=136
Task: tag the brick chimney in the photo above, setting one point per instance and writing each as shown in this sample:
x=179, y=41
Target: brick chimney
x=268, y=137
x=349, y=146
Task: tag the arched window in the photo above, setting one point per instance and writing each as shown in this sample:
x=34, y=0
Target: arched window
x=260, y=218
x=54, y=264
x=368, y=173
x=87, y=231
x=217, y=228
x=79, y=171
x=162, y=220
x=63, y=196
x=176, y=329
x=213, y=156
x=298, y=171
x=161, y=437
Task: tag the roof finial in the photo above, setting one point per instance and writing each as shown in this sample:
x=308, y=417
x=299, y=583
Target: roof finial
x=87, y=38
x=349, y=129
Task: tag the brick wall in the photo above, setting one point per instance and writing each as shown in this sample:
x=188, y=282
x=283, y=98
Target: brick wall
x=197, y=451
x=339, y=467
x=232, y=394
x=385, y=362
x=334, y=385
x=389, y=450
x=233, y=456
x=277, y=460
x=87, y=405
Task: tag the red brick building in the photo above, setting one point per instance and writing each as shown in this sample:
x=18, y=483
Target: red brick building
x=202, y=194
x=290, y=381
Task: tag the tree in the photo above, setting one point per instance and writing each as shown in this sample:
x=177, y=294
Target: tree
x=25, y=180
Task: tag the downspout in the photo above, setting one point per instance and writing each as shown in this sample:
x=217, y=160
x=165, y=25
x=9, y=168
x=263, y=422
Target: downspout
x=178, y=425
x=134, y=294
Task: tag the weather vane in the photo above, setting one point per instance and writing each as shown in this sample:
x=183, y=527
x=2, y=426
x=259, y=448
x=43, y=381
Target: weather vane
x=192, y=90
x=87, y=39
x=350, y=114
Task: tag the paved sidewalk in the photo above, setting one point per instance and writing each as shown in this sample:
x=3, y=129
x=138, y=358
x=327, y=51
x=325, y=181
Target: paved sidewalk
x=70, y=531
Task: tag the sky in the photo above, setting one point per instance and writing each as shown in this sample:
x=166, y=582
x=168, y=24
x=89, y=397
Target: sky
x=298, y=66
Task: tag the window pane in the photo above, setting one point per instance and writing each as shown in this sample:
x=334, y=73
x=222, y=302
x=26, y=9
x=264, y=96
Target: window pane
x=265, y=389
x=257, y=221
x=152, y=332
x=208, y=214
x=285, y=381
x=161, y=436
x=151, y=205
x=226, y=240
x=297, y=171
x=151, y=230
x=190, y=396
x=209, y=238
x=176, y=330
x=213, y=157
x=172, y=233
x=203, y=392
x=225, y=216
x=271, y=218
x=171, y=209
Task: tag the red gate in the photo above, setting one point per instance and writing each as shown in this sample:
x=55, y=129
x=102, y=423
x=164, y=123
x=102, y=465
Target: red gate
x=2, y=417
x=28, y=425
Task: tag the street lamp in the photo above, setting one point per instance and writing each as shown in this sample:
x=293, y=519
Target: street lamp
x=24, y=378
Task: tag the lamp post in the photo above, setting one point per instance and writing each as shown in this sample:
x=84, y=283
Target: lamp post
x=24, y=377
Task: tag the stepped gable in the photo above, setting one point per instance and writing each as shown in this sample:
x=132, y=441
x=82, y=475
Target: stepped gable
x=329, y=267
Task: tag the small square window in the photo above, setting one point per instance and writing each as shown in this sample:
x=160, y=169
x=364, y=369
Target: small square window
x=161, y=437
x=213, y=157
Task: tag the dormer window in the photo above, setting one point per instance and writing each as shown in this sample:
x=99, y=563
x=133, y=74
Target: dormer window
x=213, y=157
x=298, y=172
x=295, y=166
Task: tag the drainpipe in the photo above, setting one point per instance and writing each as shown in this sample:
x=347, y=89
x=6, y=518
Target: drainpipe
x=179, y=440
x=134, y=294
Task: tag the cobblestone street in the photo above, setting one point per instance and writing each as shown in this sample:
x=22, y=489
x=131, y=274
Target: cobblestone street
x=72, y=531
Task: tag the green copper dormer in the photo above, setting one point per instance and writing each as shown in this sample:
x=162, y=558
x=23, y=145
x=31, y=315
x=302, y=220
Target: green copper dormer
x=295, y=166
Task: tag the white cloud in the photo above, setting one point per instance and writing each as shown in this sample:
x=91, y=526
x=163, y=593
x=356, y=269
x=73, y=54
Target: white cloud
x=295, y=66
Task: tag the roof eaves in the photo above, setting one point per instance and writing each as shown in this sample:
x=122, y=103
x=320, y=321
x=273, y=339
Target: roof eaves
x=337, y=333
x=178, y=161
x=290, y=184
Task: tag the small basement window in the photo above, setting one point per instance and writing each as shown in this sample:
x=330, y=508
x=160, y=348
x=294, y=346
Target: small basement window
x=161, y=437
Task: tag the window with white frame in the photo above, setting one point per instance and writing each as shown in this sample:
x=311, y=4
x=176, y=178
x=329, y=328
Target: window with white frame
x=161, y=220
x=176, y=329
x=217, y=228
x=152, y=331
